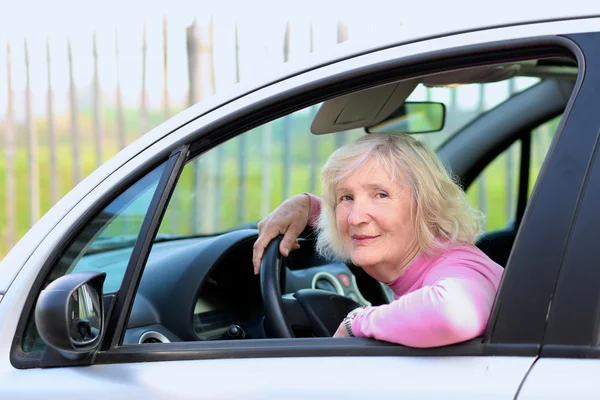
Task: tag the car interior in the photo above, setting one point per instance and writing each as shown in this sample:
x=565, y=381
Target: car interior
x=202, y=287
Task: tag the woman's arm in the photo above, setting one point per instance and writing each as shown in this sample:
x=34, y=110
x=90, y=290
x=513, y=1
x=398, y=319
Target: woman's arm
x=449, y=310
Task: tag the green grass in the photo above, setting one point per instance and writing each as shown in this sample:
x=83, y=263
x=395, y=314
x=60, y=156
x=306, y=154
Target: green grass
x=495, y=174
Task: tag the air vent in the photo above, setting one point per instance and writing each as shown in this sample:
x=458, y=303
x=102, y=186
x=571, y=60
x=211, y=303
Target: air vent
x=153, y=337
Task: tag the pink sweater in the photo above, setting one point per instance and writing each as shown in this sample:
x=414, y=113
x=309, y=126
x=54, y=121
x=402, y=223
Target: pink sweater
x=439, y=300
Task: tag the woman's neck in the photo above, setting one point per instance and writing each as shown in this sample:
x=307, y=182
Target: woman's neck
x=410, y=256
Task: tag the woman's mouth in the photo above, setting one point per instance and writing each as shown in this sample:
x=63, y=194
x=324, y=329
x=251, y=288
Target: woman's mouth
x=363, y=240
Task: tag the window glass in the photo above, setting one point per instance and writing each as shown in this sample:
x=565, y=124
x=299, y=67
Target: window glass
x=104, y=244
x=467, y=102
x=542, y=137
x=496, y=189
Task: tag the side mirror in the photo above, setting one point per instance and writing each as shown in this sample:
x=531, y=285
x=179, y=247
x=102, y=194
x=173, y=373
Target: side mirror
x=69, y=314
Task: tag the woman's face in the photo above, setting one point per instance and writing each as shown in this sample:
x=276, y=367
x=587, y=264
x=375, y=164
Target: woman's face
x=375, y=217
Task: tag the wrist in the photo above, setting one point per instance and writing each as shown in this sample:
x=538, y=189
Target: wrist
x=348, y=321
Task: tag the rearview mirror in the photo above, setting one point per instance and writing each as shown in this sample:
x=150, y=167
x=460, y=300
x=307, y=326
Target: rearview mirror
x=69, y=314
x=413, y=117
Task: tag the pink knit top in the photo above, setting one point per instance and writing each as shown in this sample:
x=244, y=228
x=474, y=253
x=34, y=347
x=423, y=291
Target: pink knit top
x=440, y=299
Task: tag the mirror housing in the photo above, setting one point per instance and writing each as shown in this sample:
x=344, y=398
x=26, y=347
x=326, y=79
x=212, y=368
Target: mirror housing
x=413, y=117
x=69, y=314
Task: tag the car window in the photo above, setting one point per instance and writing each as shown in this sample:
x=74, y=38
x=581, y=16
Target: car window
x=496, y=189
x=104, y=243
x=236, y=184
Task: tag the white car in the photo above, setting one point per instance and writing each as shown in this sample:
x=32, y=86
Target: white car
x=139, y=282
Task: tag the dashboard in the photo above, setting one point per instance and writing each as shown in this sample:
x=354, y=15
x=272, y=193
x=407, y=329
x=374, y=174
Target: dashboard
x=199, y=288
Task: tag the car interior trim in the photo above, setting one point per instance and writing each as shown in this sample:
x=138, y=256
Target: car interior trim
x=294, y=347
x=329, y=278
x=153, y=335
x=361, y=299
x=524, y=168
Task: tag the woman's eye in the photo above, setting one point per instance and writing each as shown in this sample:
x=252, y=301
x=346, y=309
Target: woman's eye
x=382, y=195
x=345, y=197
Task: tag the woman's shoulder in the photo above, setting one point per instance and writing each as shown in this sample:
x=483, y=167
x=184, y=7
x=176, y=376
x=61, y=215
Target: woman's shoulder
x=462, y=251
x=464, y=259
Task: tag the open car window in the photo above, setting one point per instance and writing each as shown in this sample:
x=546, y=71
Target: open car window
x=231, y=187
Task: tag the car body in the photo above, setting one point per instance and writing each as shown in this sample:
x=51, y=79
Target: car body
x=542, y=337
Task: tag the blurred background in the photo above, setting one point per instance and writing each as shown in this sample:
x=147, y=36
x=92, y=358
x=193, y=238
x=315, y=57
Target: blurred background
x=80, y=80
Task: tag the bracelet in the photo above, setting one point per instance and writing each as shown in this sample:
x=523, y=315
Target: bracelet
x=348, y=325
x=348, y=320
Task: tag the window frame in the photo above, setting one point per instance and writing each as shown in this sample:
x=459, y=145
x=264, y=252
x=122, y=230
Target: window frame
x=540, y=247
x=573, y=321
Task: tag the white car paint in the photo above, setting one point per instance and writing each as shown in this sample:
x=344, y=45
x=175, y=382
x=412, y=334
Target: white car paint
x=552, y=378
x=343, y=377
x=280, y=378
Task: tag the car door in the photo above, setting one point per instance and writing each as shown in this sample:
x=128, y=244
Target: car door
x=492, y=367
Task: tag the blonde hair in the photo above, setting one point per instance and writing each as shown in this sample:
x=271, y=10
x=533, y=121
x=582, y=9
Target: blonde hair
x=443, y=214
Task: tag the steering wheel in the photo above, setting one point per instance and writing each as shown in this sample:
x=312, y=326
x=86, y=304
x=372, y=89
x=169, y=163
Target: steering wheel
x=318, y=310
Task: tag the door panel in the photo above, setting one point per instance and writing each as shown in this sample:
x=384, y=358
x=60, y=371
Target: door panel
x=281, y=378
x=555, y=378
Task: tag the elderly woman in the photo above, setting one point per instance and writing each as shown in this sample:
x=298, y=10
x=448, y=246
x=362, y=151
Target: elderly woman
x=390, y=207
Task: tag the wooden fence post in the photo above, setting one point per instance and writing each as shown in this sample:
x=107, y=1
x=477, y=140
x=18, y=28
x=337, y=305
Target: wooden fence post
x=54, y=174
x=97, y=106
x=74, y=120
x=314, y=143
x=120, y=118
x=32, y=149
x=166, y=106
x=9, y=151
x=174, y=214
x=287, y=127
x=143, y=100
x=266, y=144
x=199, y=50
x=241, y=200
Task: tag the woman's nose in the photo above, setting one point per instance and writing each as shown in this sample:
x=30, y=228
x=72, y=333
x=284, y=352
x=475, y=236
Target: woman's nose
x=358, y=214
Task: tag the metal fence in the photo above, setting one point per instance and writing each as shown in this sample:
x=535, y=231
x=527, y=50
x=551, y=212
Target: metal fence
x=46, y=155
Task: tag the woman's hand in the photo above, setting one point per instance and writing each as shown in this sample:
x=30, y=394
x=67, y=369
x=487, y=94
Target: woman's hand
x=341, y=331
x=289, y=219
